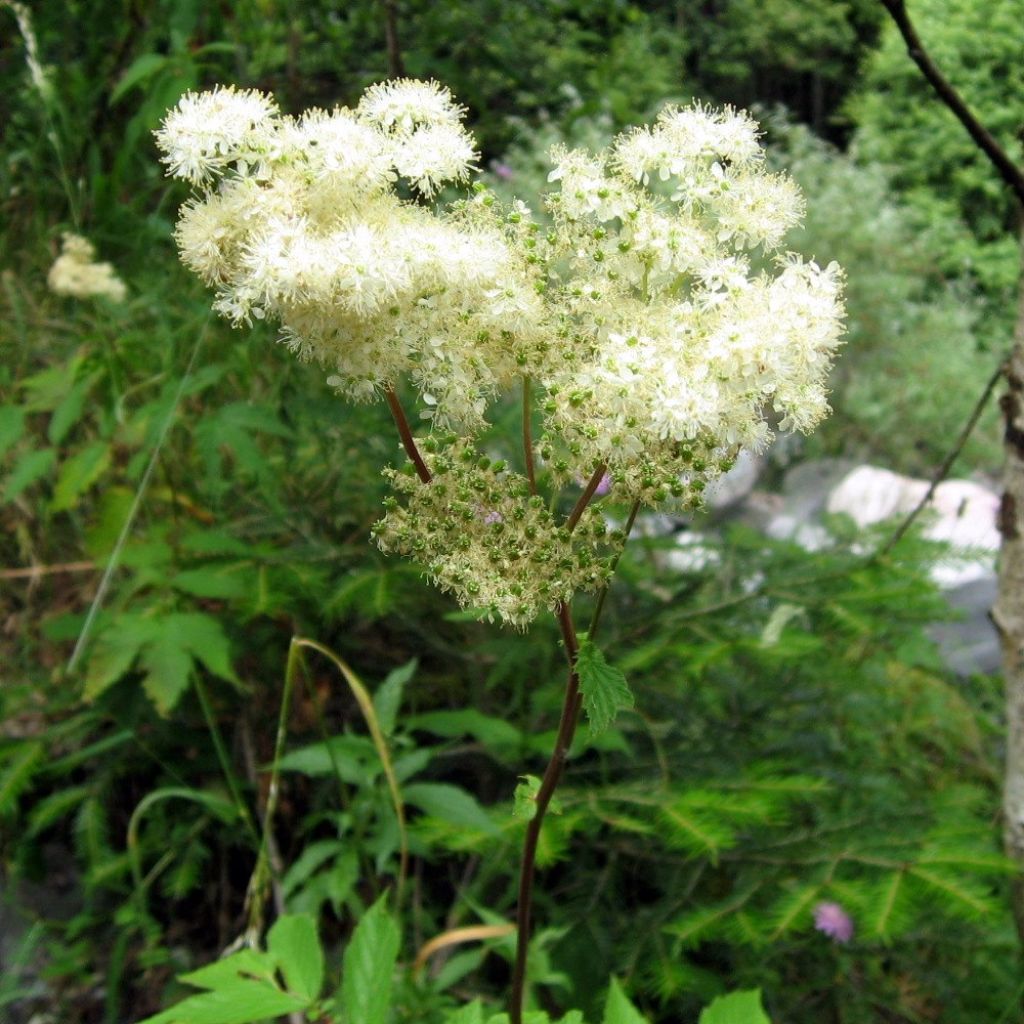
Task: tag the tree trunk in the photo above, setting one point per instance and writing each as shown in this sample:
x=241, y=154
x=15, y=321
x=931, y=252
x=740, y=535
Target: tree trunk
x=1008, y=613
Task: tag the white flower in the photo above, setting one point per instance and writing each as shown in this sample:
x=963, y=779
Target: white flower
x=209, y=131
x=75, y=273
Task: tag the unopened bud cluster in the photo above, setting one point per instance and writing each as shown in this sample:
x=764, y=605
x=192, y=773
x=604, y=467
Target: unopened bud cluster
x=660, y=327
x=484, y=537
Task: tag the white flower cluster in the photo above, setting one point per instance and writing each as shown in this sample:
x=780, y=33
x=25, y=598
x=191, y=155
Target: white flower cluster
x=480, y=534
x=652, y=309
x=301, y=220
x=75, y=273
x=683, y=348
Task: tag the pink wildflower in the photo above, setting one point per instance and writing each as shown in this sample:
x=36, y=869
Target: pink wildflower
x=833, y=921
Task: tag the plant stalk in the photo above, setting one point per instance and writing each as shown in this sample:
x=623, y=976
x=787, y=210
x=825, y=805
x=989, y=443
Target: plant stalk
x=405, y=433
x=552, y=775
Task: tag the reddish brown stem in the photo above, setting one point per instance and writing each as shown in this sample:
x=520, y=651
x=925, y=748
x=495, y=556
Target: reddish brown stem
x=408, y=441
x=552, y=775
x=588, y=492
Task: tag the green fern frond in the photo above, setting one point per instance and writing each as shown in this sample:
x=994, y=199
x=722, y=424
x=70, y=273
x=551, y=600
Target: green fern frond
x=887, y=914
x=18, y=775
x=792, y=909
x=695, y=830
x=692, y=928
x=958, y=895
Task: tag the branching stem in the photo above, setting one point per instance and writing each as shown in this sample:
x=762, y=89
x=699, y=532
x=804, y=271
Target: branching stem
x=588, y=492
x=405, y=433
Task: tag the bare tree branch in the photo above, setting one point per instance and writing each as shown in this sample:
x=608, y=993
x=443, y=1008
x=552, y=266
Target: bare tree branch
x=983, y=139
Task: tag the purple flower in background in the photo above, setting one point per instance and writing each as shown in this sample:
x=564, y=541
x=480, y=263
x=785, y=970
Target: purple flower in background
x=835, y=922
x=602, y=488
x=492, y=516
x=501, y=170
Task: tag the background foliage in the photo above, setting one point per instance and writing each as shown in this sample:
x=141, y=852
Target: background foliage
x=796, y=737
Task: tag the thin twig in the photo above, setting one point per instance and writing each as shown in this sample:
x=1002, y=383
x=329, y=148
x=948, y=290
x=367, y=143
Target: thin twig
x=947, y=462
x=584, y=500
x=983, y=139
x=32, y=571
x=405, y=433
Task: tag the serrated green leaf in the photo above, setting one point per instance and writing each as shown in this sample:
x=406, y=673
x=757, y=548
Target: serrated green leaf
x=450, y=804
x=524, y=800
x=388, y=698
x=114, y=652
x=167, y=665
x=241, y=1002
x=368, y=966
x=12, y=426
x=604, y=688
x=736, y=1008
x=617, y=1007
x=32, y=466
x=230, y=969
x=79, y=473
x=295, y=945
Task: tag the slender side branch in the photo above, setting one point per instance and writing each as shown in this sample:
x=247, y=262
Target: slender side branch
x=584, y=500
x=552, y=775
x=405, y=433
x=947, y=462
x=599, y=606
x=983, y=139
x=531, y=473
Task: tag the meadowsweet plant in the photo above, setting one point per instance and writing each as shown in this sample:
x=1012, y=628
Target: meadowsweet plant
x=647, y=316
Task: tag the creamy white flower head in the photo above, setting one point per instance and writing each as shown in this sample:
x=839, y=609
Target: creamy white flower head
x=208, y=132
x=403, y=104
x=338, y=146
x=75, y=273
x=435, y=155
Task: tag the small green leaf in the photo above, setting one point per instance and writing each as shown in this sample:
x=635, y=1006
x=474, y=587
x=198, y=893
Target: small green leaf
x=388, y=698
x=249, y=963
x=368, y=966
x=240, y=1002
x=79, y=473
x=524, y=800
x=66, y=415
x=736, y=1008
x=32, y=466
x=294, y=943
x=12, y=426
x=167, y=665
x=604, y=688
x=449, y=804
x=618, y=1009
x=114, y=653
